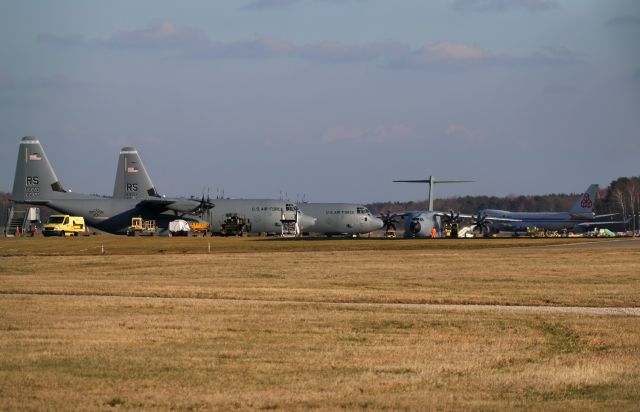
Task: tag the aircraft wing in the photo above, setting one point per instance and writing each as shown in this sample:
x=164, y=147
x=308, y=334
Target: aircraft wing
x=607, y=215
x=604, y=223
x=460, y=215
x=176, y=205
x=501, y=219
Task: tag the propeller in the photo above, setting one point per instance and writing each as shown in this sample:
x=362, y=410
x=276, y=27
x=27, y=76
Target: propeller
x=480, y=223
x=203, y=206
x=389, y=220
x=452, y=217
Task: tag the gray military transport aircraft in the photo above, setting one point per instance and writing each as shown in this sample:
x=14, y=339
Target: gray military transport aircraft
x=581, y=216
x=271, y=216
x=36, y=183
x=340, y=219
x=419, y=223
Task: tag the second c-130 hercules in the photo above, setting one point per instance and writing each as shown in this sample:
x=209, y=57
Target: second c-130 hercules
x=263, y=215
x=36, y=183
x=270, y=216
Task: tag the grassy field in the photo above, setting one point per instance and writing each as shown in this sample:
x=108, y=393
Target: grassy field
x=272, y=324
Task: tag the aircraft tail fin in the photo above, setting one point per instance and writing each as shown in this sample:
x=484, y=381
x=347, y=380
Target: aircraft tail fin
x=35, y=179
x=585, y=203
x=132, y=179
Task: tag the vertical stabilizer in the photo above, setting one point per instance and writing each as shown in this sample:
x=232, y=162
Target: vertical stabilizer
x=132, y=179
x=585, y=203
x=34, y=181
x=431, y=181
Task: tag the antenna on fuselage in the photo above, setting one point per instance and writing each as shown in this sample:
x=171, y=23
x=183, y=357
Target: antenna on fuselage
x=431, y=181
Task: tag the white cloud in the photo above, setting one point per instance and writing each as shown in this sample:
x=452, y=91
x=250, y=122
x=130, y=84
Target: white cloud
x=394, y=133
x=338, y=134
x=503, y=5
x=194, y=43
x=627, y=20
x=382, y=134
x=464, y=134
x=160, y=34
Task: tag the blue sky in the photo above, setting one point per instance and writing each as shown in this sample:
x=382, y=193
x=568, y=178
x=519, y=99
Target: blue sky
x=330, y=98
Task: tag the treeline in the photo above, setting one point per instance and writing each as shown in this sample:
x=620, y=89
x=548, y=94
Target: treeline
x=4, y=207
x=472, y=204
x=621, y=196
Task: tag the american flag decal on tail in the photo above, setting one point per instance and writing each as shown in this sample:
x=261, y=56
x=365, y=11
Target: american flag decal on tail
x=132, y=170
x=35, y=156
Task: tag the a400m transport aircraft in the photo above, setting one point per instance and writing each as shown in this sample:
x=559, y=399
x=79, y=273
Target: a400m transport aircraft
x=419, y=223
x=261, y=215
x=36, y=183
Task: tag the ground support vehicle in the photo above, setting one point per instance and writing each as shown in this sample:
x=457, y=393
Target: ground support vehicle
x=64, y=225
x=141, y=227
x=199, y=228
x=234, y=225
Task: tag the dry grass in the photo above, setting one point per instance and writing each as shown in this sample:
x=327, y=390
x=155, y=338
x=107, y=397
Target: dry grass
x=82, y=353
x=120, y=245
x=251, y=352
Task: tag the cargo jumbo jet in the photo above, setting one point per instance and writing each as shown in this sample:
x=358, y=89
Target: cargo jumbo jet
x=581, y=215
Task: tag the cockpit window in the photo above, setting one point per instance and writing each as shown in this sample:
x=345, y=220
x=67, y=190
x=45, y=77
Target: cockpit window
x=362, y=210
x=290, y=207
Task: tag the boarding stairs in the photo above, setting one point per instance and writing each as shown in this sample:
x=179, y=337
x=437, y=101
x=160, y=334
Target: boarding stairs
x=289, y=220
x=21, y=219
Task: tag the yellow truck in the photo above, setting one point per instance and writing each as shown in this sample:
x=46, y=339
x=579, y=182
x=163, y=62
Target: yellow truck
x=199, y=228
x=64, y=225
x=142, y=227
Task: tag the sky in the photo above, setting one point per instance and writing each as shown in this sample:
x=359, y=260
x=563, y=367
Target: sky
x=329, y=100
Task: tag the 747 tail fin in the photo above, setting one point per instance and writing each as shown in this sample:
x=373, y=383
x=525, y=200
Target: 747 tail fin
x=585, y=203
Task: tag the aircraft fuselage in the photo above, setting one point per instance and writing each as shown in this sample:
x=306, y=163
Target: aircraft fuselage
x=541, y=220
x=111, y=215
x=340, y=218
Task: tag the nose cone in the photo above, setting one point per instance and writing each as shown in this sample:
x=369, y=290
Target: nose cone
x=375, y=223
x=306, y=221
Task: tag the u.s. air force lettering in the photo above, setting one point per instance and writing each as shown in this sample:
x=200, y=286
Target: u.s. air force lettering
x=265, y=209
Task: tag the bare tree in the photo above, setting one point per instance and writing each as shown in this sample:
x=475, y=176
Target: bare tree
x=618, y=195
x=633, y=189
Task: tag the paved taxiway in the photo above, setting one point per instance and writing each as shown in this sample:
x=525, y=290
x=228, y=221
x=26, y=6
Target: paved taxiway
x=586, y=310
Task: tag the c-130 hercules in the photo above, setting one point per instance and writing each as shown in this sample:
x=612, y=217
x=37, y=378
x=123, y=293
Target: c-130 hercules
x=36, y=183
x=271, y=216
